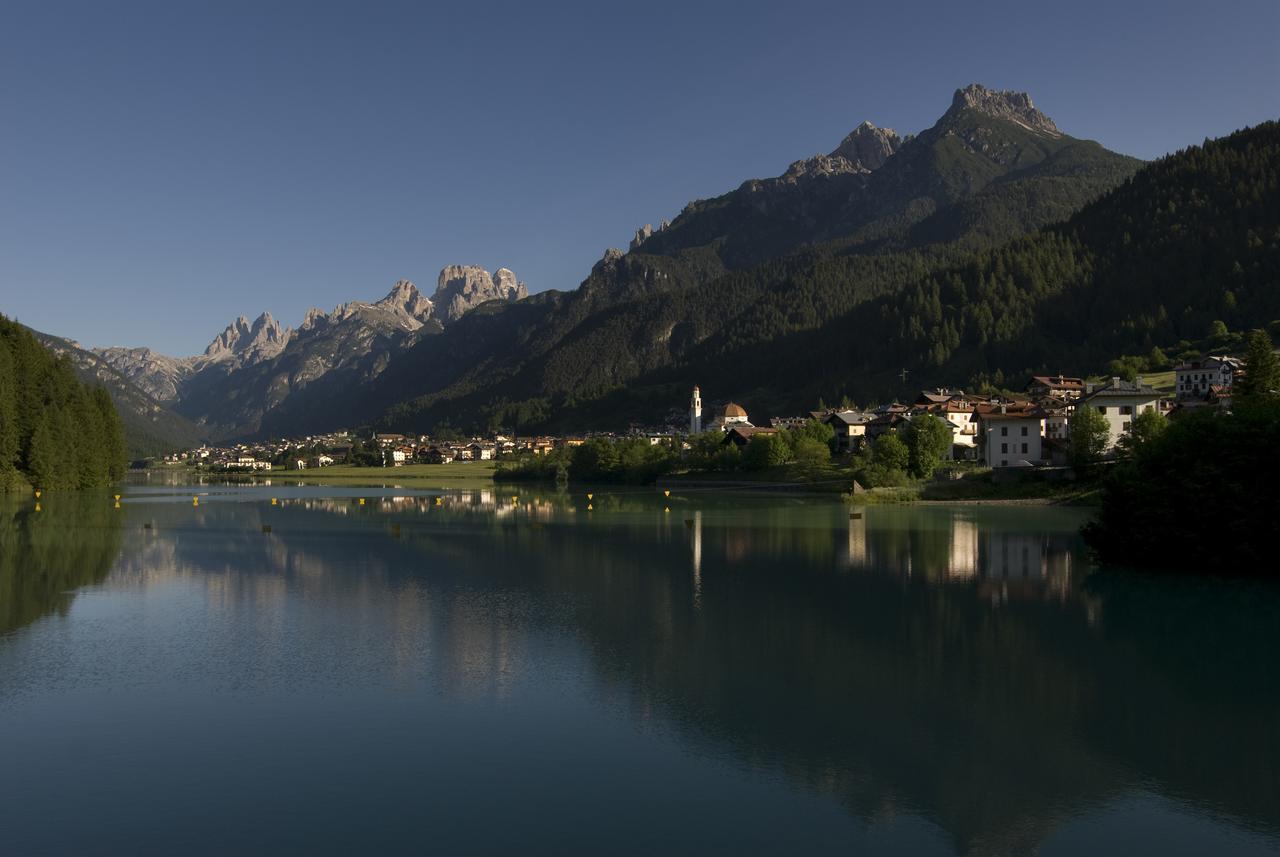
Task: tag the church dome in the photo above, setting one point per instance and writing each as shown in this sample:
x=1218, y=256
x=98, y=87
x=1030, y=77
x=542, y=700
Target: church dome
x=734, y=410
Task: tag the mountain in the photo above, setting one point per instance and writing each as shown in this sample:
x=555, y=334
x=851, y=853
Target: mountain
x=259, y=377
x=745, y=272
x=150, y=428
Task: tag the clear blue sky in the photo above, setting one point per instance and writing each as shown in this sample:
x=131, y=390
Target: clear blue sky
x=165, y=167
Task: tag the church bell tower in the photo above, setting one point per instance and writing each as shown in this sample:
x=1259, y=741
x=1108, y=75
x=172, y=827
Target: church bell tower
x=695, y=413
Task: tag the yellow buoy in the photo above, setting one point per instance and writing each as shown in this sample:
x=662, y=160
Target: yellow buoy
x=195, y=501
x=589, y=496
x=37, y=507
x=37, y=493
x=273, y=501
x=116, y=497
x=117, y=504
x=666, y=508
x=361, y=501
x=438, y=501
x=588, y=507
x=666, y=493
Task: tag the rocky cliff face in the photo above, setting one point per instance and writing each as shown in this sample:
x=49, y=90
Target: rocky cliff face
x=253, y=367
x=243, y=342
x=1005, y=104
x=461, y=288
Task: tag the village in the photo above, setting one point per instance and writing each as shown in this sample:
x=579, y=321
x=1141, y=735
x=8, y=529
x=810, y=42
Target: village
x=996, y=430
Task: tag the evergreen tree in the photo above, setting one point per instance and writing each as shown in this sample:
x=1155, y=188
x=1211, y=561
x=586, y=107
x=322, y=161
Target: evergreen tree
x=54, y=431
x=9, y=441
x=1261, y=379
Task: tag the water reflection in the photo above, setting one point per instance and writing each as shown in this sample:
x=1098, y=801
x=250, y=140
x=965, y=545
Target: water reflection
x=51, y=548
x=946, y=664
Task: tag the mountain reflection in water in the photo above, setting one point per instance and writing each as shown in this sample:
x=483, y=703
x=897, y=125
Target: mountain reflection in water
x=962, y=666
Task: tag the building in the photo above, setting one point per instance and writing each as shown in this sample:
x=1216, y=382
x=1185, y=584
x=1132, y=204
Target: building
x=1194, y=378
x=732, y=415
x=1120, y=401
x=439, y=455
x=1055, y=386
x=1012, y=435
x=695, y=412
x=740, y=435
x=850, y=428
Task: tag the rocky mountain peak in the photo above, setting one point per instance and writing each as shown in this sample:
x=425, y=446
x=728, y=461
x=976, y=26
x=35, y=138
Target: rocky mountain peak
x=868, y=147
x=404, y=296
x=261, y=339
x=460, y=288
x=1005, y=104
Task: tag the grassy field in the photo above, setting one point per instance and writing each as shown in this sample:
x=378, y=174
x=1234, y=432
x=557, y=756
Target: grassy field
x=458, y=474
x=1162, y=381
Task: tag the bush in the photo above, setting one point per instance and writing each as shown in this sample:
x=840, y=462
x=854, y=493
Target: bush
x=1200, y=496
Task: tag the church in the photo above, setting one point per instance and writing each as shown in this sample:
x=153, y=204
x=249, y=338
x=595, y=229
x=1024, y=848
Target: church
x=731, y=416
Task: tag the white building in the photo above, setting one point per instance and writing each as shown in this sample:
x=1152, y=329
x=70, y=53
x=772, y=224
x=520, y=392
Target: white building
x=695, y=412
x=1011, y=435
x=1120, y=401
x=1195, y=377
x=732, y=415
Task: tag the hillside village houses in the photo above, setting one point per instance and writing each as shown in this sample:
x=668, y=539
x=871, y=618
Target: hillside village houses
x=1010, y=430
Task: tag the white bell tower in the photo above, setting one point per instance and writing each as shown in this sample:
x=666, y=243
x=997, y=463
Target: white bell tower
x=695, y=413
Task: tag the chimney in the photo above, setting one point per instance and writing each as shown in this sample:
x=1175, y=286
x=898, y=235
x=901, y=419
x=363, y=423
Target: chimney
x=1115, y=382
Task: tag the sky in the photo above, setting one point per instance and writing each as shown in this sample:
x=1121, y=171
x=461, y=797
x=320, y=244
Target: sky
x=166, y=167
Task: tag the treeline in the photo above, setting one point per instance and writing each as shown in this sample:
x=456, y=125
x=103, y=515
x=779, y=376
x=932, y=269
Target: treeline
x=1201, y=494
x=55, y=432
x=637, y=461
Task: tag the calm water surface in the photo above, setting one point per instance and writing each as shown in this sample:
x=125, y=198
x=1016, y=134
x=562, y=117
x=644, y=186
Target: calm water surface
x=508, y=672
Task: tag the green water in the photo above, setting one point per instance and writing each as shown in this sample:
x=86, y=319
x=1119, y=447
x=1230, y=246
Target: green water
x=510, y=672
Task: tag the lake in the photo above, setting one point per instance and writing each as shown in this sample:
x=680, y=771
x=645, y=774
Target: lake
x=532, y=672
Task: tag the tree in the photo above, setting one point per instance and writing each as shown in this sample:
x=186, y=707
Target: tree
x=1218, y=330
x=1261, y=379
x=928, y=442
x=811, y=454
x=9, y=441
x=765, y=451
x=42, y=457
x=1090, y=433
x=1145, y=429
x=891, y=453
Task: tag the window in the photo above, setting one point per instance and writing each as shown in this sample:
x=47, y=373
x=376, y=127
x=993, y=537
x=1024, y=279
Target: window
x=1102, y=409
x=1024, y=448
x=1004, y=431
x=1024, y=431
x=1126, y=409
x=1124, y=426
x=1004, y=447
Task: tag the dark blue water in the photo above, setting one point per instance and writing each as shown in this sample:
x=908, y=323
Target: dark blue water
x=478, y=674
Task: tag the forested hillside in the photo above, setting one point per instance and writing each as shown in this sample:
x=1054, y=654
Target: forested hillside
x=749, y=271
x=150, y=428
x=1191, y=240
x=55, y=432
